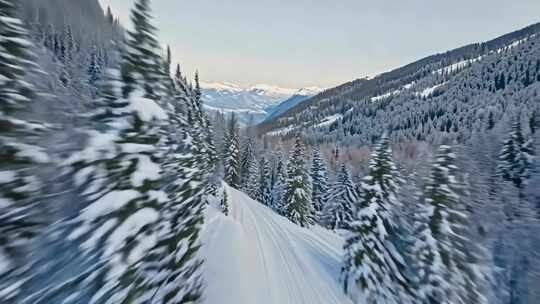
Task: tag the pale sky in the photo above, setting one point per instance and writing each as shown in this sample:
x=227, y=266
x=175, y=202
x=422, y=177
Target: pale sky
x=299, y=43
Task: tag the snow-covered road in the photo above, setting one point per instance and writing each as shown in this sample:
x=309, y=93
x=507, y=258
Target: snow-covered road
x=254, y=256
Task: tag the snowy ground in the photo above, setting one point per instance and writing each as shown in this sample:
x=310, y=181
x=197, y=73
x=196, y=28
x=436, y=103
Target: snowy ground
x=256, y=256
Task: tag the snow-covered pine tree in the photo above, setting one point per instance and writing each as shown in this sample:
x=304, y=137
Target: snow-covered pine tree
x=181, y=86
x=516, y=158
x=297, y=202
x=319, y=180
x=142, y=58
x=374, y=268
x=67, y=48
x=121, y=171
x=203, y=124
x=515, y=167
x=170, y=271
x=265, y=191
x=48, y=39
x=224, y=203
x=341, y=198
x=167, y=62
x=197, y=91
x=252, y=184
x=248, y=153
x=231, y=153
x=447, y=257
x=20, y=155
x=280, y=182
x=431, y=285
x=201, y=133
x=94, y=69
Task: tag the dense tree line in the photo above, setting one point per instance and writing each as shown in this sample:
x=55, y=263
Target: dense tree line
x=127, y=231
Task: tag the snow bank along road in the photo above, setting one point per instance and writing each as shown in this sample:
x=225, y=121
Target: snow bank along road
x=254, y=256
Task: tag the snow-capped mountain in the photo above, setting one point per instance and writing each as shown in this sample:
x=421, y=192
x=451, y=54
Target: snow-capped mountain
x=257, y=101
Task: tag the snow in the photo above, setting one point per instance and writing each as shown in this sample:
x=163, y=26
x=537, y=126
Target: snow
x=458, y=65
x=392, y=93
x=383, y=96
x=328, y=120
x=145, y=108
x=33, y=153
x=146, y=170
x=309, y=91
x=7, y=176
x=131, y=226
x=99, y=145
x=256, y=256
x=109, y=202
x=429, y=91
x=282, y=131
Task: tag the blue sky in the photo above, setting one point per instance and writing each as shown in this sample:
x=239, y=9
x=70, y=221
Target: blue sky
x=299, y=43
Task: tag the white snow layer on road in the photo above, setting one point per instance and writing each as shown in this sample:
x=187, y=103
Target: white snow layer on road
x=256, y=256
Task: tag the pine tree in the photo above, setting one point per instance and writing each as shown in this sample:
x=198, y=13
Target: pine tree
x=110, y=16
x=94, y=68
x=265, y=191
x=278, y=189
x=181, y=92
x=142, y=60
x=341, y=198
x=252, y=184
x=224, y=203
x=516, y=166
x=48, y=37
x=446, y=256
x=197, y=91
x=67, y=48
x=491, y=121
x=248, y=153
x=516, y=158
x=373, y=261
x=20, y=156
x=297, y=203
x=319, y=178
x=231, y=154
x=168, y=62
x=202, y=130
x=170, y=271
x=126, y=169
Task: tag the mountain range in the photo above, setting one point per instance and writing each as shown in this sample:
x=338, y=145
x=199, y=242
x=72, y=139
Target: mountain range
x=259, y=101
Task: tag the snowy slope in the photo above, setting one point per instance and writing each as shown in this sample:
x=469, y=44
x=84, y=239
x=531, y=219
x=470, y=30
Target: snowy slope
x=256, y=256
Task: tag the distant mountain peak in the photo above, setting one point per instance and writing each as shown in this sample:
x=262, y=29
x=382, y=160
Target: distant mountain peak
x=258, y=100
x=309, y=91
x=268, y=89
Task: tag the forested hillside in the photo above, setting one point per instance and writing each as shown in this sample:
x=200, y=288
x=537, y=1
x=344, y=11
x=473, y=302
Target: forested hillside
x=454, y=93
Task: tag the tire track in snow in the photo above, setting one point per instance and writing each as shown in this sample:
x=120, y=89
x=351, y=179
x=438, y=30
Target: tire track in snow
x=256, y=256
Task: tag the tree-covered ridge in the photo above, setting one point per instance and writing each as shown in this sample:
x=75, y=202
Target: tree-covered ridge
x=453, y=100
